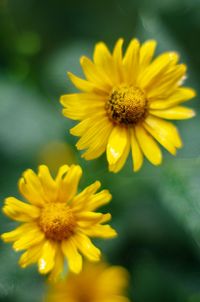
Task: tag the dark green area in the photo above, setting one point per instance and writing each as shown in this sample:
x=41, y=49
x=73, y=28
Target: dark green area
x=156, y=211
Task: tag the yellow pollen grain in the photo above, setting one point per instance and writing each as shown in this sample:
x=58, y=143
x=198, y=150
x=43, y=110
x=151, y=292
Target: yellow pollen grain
x=126, y=105
x=57, y=221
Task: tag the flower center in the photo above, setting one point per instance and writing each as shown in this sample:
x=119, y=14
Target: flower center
x=57, y=221
x=126, y=105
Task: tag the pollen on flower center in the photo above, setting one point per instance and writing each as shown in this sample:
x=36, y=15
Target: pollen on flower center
x=126, y=105
x=57, y=221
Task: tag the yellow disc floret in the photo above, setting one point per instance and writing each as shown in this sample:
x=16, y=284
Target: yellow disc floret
x=57, y=221
x=126, y=105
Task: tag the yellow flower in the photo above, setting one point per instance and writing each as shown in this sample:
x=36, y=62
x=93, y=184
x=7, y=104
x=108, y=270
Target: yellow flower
x=96, y=283
x=56, y=221
x=124, y=103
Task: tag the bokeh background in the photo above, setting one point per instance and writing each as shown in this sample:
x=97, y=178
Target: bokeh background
x=156, y=211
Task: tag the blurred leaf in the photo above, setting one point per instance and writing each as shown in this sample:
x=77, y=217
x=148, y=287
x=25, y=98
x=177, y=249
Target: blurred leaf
x=180, y=191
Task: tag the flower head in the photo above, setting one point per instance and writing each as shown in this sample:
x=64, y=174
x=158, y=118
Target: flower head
x=125, y=101
x=97, y=282
x=56, y=222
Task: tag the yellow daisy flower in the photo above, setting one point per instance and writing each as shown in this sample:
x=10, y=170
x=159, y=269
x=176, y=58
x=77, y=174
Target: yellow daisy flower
x=56, y=221
x=96, y=283
x=124, y=102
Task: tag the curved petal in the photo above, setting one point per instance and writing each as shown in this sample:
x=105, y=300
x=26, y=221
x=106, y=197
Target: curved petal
x=84, y=125
x=180, y=95
x=73, y=257
x=20, y=211
x=30, y=187
x=131, y=61
x=157, y=68
x=98, y=200
x=47, y=259
x=17, y=233
x=148, y=145
x=89, y=216
x=175, y=113
x=80, y=199
x=117, y=56
x=121, y=161
x=69, y=183
x=94, y=132
x=48, y=183
x=58, y=267
x=99, y=142
x=31, y=256
x=94, y=75
x=104, y=60
x=117, y=52
x=61, y=173
x=86, y=247
x=165, y=129
x=82, y=105
x=81, y=84
x=29, y=239
x=137, y=155
x=167, y=83
x=167, y=144
x=101, y=231
x=146, y=53
x=117, y=143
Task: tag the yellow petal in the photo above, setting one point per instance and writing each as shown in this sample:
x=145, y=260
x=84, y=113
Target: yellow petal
x=119, y=277
x=149, y=146
x=89, y=216
x=17, y=233
x=117, y=52
x=20, y=211
x=165, y=129
x=167, y=83
x=61, y=173
x=91, y=135
x=175, y=113
x=101, y=231
x=86, y=247
x=46, y=261
x=158, y=135
x=94, y=75
x=69, y=183
x=82, y=105
x=29, y=239
x=80, y=199
x=81, y=84
x=73, y=257
x=83, y=126
x=101, y=54
x=58, y=267
x=48, y=183
x=116, y=144
x=30, y=187
x=137, y=155
x=155, y=70
x=146, y=53
x=77, y=99
x=117, y=56
x=121, y=161
x=103, y=59
x=180, y=95
x=98, y=200
x=97, y=144
x=131, y=61
x=31, y=256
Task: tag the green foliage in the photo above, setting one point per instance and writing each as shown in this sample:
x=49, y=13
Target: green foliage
x=156, y=211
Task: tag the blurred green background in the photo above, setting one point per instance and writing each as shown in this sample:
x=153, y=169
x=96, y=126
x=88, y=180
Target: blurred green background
x=156, y=211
